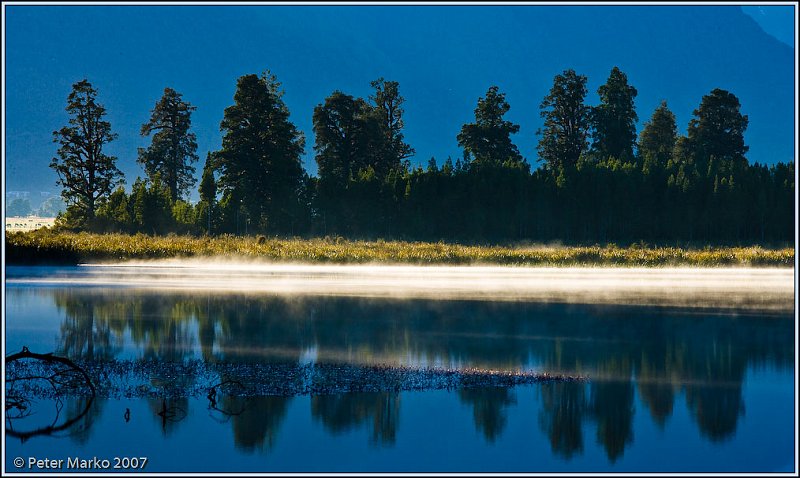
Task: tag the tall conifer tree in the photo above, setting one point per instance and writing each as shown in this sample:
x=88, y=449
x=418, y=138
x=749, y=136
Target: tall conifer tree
x=173, y=148
x=86, y=173
x=566, y=122
x=614, y=119
x=259, y=163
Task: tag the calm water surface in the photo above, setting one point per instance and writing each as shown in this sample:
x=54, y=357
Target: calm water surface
x=670, y=389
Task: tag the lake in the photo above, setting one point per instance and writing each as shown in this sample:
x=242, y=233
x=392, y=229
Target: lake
x=686, y=370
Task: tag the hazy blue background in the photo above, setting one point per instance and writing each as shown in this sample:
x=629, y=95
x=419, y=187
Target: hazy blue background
x=443, y=57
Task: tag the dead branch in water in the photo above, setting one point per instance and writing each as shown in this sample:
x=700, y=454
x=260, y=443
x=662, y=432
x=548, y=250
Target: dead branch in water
x=18, y=406
x=49, y=357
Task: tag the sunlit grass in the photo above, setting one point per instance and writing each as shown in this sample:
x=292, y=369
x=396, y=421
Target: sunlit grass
x=85, y=247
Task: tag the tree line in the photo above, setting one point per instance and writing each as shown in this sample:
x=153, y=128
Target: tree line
x=598, y=181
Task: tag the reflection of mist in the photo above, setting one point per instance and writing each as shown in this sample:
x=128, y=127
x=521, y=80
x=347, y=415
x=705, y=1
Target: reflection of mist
x=741, y=288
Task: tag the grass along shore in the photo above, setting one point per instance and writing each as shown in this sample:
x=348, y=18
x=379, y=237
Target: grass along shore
x=45, y=246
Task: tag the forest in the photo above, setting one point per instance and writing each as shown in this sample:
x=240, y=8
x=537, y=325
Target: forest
x=597, y=180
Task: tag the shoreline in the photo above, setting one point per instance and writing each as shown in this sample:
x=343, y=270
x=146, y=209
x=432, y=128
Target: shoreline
x=61, y=248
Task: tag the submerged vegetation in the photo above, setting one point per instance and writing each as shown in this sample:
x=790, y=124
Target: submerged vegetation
x=64, y=247
x=133, y=378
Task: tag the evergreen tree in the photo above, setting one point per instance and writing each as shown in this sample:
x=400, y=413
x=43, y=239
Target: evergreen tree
x=656, y=147
x=115, y=212
x=614, y=119
x=716, y=135
x=259, y=163
x=566, y=122
x=448, y=167
x=151, y=206
x=657, y=140
x=494, y=183
x=346, y=135
x=85, y=172
x=432, y=167
x=488, y=139
x=388, y=107
x=208, y=185
x=208, y=196
x=350, y=148
x=173, y=148
x=715, y=145
x=184, y=217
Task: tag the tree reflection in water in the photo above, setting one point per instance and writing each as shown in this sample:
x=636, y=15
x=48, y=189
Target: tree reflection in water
x=86, y=332
x=660, y=352
x=561, y=416
x=256, y=427
x=81, y=431
x=340, y=413
x=611, y=404
x=489, y=408
x=714, y=393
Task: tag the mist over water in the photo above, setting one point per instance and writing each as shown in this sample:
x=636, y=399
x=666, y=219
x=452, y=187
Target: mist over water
x=767, y=289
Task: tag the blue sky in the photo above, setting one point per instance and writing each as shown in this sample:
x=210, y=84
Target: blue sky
x=443, y=57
